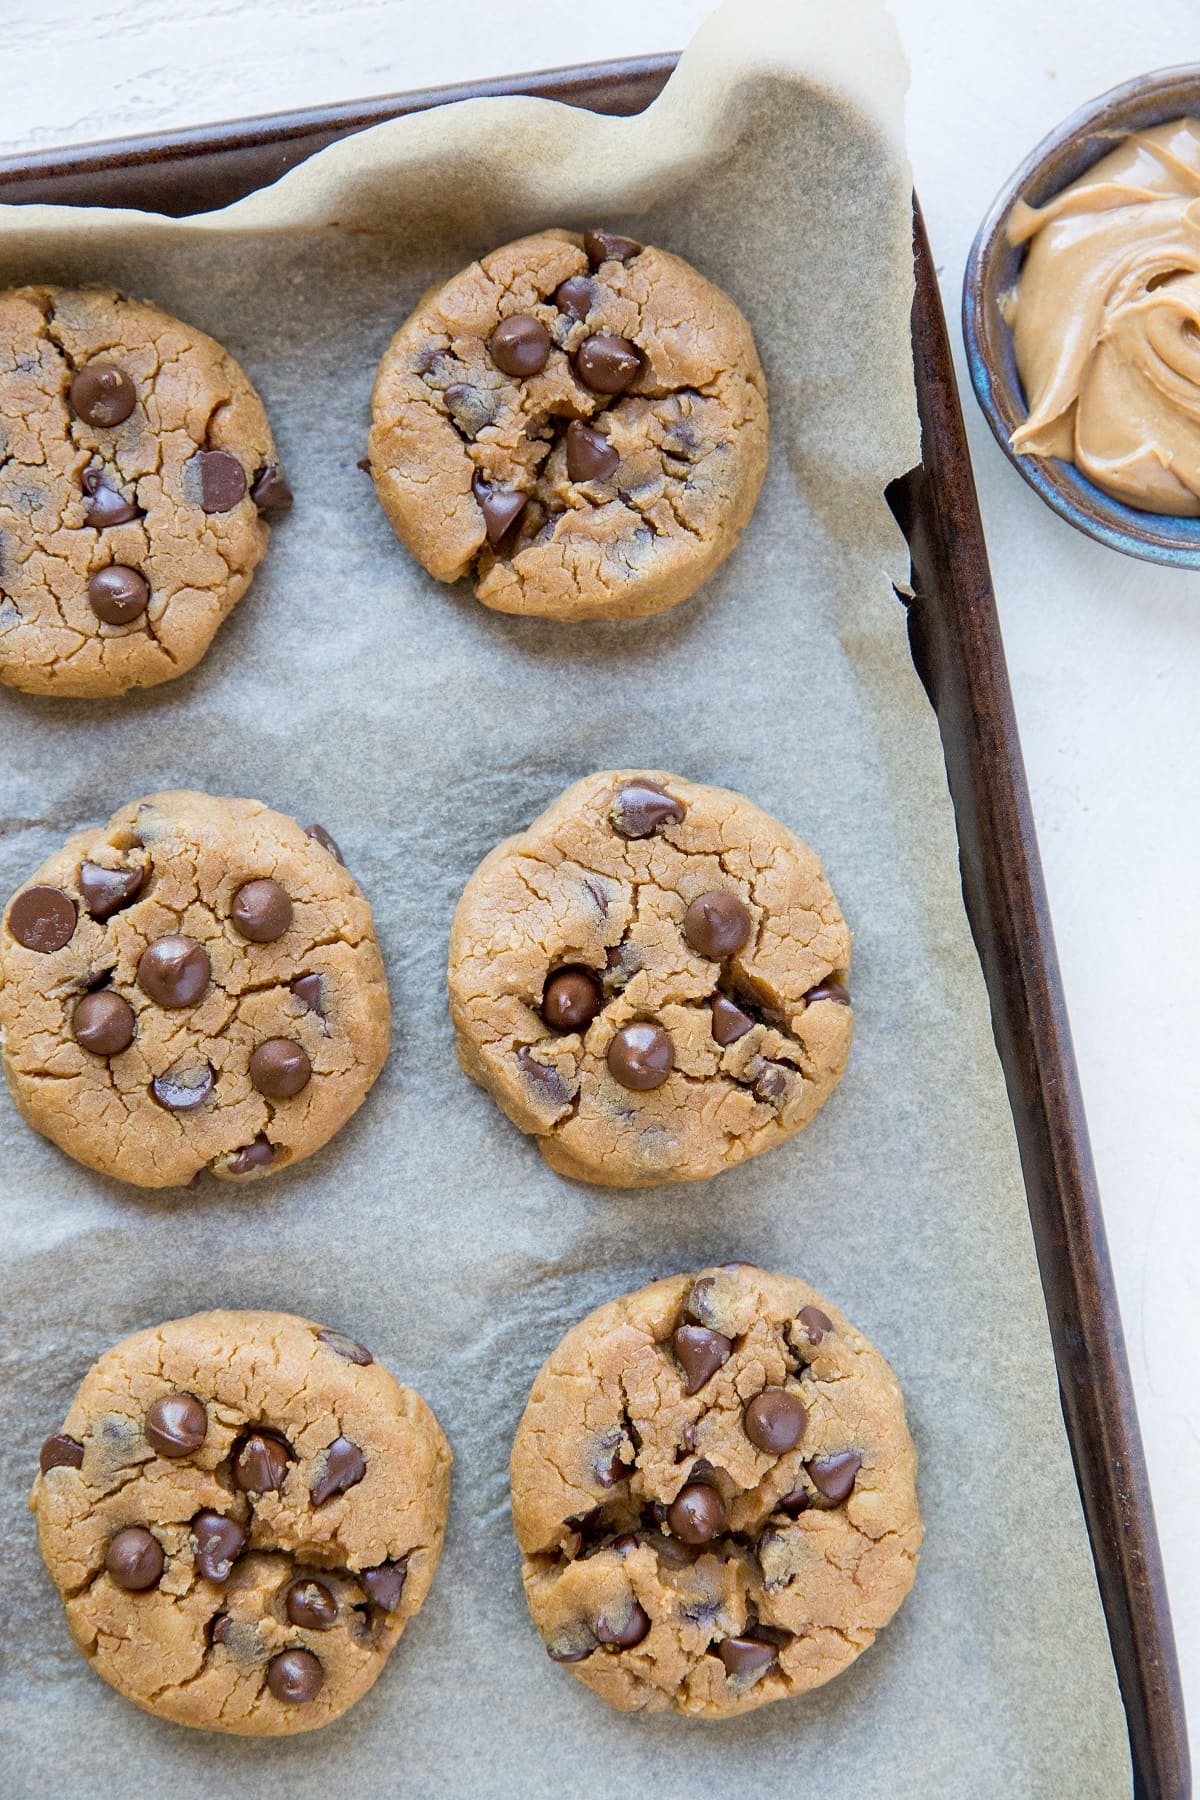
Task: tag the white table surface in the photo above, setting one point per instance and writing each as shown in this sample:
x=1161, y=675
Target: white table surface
x=1104, y=652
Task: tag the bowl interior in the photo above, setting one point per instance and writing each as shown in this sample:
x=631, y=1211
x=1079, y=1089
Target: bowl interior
x=992, y=271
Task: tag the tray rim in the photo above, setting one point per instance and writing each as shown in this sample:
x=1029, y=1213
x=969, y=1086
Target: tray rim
x=950, y=610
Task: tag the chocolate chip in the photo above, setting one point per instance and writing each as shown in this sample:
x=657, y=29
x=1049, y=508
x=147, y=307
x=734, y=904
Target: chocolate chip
x=184, y=1092
x=745, y=1656
x=641, y=1056
x=260, y=1463
x=607, y=246
x=828, y=990
x=270, y=492
x=261, y=911
x=61, y=1452
x=104, y=1023
x=344, y=1468
x=641, y=807
x=607, y=364
x=384, y=1584
x=259, y=1153
x=102, y=394
x=135, y=1559
x=319, y=835
x=219, y=1542
x=308, y=989
x=174, y=971
x=697, y=1513
x=631, y=1631
x=569, y=1656
x=774, y=1420
x=105, y=506
x=345, y=1346
x=219, y=1629
x=795, y=1503
x=222, y=480
x=834, y=1476
x=106, y=891
x=815, y=1323
x=311, y=1605
x=625, y=1543
x=118, y=595
x=574, y=296
x=280, y=1068
x=501, y=507
x=729, y=1022
x=295, y=1676
x=570, y=1000
x=176, y=1424
x=470, y=407
x=43, y=919
x=590, y=456
x=700, y=1353
x=699, y=1300
x=520, y=345
x=716, y=925
x=545, y=1077
x=771, y=1086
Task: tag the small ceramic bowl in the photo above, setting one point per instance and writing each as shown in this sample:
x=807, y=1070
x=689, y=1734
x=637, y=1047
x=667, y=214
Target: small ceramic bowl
x=992, y=271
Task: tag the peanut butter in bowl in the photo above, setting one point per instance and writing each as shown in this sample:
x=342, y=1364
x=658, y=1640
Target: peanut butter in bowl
x=1105, y=319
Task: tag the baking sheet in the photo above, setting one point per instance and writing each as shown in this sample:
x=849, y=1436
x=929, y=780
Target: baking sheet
x=420, y=728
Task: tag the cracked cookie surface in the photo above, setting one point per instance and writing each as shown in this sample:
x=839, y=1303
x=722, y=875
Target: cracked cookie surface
x=135, y=464
x=713, y=1491
x=195, y=985
x=652, y=980
x=580, y=424
x=241, y=1513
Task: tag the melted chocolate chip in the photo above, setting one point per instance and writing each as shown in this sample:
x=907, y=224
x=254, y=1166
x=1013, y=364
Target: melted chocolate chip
x=185, y=1091
x=828, y=990
x=607, y=246
x=570, y=1000
x=174, y=971
x=795, y=1503
x=261, y=911
x=574, y=296
x=260, y=1462
x=716, y=925
x=308, y=988
x=105, y=506
x=104, y=1023
x=641, y=1056
x=345, y=1346
x=295, y=1676
x=384, y=1584
x=222, y=480
x=520, y=345
x=544, y=1077
x=280, y=1068
x=61, y=1452
x=745, y=1657
x=102, y=394
x=729, y=1022
x=117, y=595
x=310, y=1605
x=259, y=1153
x=501, y=507
x=344, y=1468
x=176, y=1424
x=700, y=1353
x=219, y=1542
x=641, y=807
x=628, y=1632
x=590, y=456
x=834, y=1476
x=319, y=835
x=43, y=919
x=607, y=364
x=697, y=1513
x=270, y=492
x=135, y=1559
x=774, y=1421
x=106, y=891
x=815, y=1323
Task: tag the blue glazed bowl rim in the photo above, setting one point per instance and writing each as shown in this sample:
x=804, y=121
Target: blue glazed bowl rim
x=992, y=268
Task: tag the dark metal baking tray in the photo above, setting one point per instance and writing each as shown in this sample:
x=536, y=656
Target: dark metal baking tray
x=956, y=646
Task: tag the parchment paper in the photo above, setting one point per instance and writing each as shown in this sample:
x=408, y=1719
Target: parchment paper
x=420, y=728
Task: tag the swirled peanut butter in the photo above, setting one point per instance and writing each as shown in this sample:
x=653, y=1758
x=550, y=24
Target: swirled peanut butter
x=1106, y=321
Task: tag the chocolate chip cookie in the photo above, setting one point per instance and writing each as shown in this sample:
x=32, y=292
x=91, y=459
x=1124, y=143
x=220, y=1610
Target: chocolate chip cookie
x=136, y=464
x=241, y=1513
x=652, y=980
x=713, y=1490
x=195, y=985
x=578, y=423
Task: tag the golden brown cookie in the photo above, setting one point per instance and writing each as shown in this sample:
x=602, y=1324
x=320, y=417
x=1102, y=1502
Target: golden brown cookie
x=652, y=980
x=580, y=424
x=135, y=464
x=195, y=985
x=241, y=1513
x=713, y=1490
